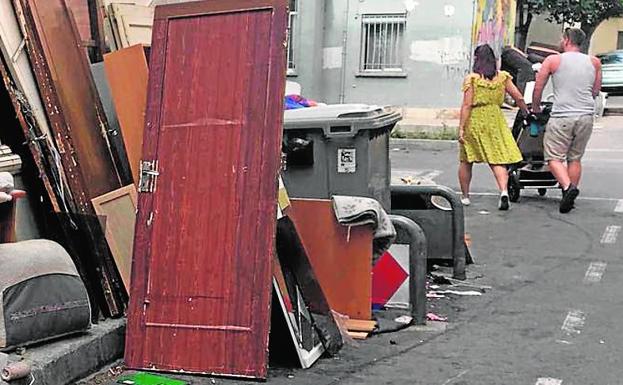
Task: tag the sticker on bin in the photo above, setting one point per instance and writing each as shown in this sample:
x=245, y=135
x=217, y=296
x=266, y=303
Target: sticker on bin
x=346, y=160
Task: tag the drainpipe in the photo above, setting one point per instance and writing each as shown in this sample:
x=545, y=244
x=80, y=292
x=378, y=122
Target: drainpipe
x=474, y=37
x=344, y=48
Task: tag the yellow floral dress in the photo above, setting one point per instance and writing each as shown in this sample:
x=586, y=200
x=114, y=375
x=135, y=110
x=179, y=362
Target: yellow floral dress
x=487, y=136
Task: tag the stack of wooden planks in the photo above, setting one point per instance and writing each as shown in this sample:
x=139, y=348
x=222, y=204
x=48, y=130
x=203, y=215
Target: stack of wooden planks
x=360, y=329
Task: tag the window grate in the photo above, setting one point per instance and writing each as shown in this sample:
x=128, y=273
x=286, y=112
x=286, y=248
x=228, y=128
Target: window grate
x=382, y=43
x=292, y=22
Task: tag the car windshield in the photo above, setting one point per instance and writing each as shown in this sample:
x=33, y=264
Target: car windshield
x=614, y=58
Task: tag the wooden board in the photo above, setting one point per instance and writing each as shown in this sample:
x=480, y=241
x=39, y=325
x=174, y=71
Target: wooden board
x=358, y=335
x=127, y=75
x=64, y=77
x=13, y=47
x=295, y=263
x=88, y=19
x=20, y=83
x=342, y=258
x=131, y=24
x=80, y=132
x=80, y=12
x=119, y=209
x=360, y=325
x=202, y=265
x=116, y=139
x=288, y=300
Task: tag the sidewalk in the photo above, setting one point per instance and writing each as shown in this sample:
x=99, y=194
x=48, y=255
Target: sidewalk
x=417, y=120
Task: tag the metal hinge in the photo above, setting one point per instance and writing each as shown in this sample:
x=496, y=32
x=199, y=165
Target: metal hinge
x=149, y=176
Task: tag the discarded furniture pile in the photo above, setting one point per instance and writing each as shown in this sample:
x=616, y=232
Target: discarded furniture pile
x=152, y=156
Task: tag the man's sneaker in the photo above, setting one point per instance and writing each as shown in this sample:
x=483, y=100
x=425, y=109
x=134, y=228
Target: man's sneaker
x=504, y=203
x=568, y=199
x=466, y=201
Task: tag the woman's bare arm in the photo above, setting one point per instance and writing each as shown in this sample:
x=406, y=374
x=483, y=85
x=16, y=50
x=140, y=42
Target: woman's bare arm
x=514, y=92
x=466, y=111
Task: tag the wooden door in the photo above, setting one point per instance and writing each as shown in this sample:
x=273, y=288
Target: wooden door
x=132, y=24
x=201, y=277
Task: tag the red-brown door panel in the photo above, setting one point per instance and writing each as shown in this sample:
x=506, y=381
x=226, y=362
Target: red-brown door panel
x=205, y=236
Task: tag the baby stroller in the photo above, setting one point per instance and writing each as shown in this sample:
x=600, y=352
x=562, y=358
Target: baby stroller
x=533, y=172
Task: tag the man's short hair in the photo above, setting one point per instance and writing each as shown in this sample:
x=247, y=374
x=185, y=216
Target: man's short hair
x=576, y=36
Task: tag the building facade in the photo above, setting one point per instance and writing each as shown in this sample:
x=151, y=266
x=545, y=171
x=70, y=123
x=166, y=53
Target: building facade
x=405, y=53
x=607, y=37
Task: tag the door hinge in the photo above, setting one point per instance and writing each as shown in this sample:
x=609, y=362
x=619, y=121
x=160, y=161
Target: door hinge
x=149, y=176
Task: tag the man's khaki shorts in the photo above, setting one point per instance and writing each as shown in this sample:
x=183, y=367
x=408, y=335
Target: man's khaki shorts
x=566, y=138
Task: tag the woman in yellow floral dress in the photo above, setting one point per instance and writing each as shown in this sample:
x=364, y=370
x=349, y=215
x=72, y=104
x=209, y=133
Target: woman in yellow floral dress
x=484, y=134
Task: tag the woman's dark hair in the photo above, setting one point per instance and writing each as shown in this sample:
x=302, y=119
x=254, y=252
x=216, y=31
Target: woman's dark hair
x=485, y=63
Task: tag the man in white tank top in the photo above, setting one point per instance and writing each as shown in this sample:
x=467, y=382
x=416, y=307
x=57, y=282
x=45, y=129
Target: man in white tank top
x=577, y=82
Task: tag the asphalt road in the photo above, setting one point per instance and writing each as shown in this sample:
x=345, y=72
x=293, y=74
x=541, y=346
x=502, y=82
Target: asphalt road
x=554, y=313
x=545, y=319
x=603, y=164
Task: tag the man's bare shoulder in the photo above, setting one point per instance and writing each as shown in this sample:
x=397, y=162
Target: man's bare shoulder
x=551, y=63
x=596, y=62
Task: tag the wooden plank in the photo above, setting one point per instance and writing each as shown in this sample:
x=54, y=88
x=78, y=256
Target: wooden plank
x=341, y=257
x=80, y=12
x=360, y=325
x=358, y=335
x=119, y=209
x=72, y=104
x=294, y=259
x=20, y=83
x=296, y=318
x=89, y=25
x=132, y=24
x=205, y=236
x=127, y=74
x=79, y=128
x=13, y=47
x=116, y=139
x=52, y=182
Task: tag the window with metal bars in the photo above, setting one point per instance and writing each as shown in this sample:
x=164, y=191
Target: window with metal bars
x=382, y=43
x=292, y=24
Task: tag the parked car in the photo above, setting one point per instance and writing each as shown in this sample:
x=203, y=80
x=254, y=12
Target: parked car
x=612, y=69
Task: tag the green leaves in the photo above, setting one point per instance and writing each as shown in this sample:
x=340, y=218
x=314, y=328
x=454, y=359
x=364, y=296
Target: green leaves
x=585, y=12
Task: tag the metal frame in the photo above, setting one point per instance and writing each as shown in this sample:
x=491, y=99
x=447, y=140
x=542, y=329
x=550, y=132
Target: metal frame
x=412, y=234
x=293, y=16
x=458, y=225
x=391, y=28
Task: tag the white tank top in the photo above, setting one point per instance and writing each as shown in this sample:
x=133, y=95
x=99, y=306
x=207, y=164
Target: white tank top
x=573, y=86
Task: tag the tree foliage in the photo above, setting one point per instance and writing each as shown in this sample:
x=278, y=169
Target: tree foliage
x=588, y=13
x=526, y=9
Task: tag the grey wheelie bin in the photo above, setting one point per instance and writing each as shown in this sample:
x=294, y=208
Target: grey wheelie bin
x=339, y=150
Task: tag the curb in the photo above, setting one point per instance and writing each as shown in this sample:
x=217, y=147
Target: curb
x=424, y=144
x=433, y=128
x=68, y=360
x=615, y=111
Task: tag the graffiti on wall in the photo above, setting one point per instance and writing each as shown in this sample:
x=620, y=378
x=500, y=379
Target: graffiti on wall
x=450, y=52
x=494, y=23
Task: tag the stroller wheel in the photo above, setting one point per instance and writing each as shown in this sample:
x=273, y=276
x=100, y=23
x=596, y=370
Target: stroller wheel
x=542, y=192
x=514, y=188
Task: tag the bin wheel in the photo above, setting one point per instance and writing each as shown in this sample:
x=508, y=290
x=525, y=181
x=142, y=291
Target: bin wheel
x=514, y=188
x=542, y=192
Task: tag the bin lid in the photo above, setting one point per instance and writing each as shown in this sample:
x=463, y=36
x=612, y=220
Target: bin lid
x=334, y=119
